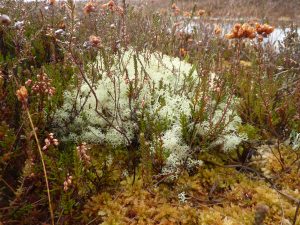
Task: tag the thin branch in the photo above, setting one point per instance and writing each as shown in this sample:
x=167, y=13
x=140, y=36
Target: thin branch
x=296, y=213
x=43, y=163
x=7, y=184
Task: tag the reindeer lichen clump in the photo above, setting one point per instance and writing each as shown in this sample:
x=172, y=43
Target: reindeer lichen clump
x=142, y=88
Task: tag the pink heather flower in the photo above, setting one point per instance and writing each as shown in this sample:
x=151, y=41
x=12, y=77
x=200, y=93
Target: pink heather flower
x=82, y=153
x=68, y=182
x=43, y=85
x=28, y=82
x=55, y=142
x=50, y=140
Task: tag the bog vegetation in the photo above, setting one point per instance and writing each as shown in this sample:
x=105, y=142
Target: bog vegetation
x=119, y=113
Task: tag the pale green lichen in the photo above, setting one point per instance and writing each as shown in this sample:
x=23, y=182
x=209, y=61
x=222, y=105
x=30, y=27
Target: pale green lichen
x=151, y=84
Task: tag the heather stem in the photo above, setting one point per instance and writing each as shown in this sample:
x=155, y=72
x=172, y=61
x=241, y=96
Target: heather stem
x=44, y=166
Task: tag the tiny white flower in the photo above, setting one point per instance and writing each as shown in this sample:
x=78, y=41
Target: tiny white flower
x=19, y=24
x=182, y=197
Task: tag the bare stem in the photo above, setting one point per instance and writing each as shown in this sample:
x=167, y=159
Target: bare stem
x=43, y=163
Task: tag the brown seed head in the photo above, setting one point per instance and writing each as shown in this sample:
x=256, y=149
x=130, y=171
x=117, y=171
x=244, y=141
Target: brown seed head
x=250, y=31
x=52, y=2
x=187, y=14
x=218, y=30
x=22, y=94
x=111, y=4
x=230, y=36
x=200, y=12
x=175, y=9
x=119, y=10
x=264, y=29
x=182, y=52
x=260, y=38
x=174, y=6
x=95, y=41
x=90, y=7
x=5, y=20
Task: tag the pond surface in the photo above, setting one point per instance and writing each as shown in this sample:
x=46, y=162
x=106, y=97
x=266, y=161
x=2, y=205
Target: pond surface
x=275, y=38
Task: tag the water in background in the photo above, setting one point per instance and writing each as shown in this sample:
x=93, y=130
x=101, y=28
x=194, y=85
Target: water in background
x=208, y=26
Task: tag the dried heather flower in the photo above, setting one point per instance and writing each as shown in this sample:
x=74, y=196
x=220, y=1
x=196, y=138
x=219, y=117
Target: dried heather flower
x=248, y=31
x=62, y=25
x=1, y=79
x=143, y=103
x=264, y=29
x=55, y=142
x=187, y=14
x=22, y=94
x=200, y=12
x=174, y=6
x=175, y=9
x=50, y=140
x=82, y=153
x=111, y=4
x=260, y=38
x=119, y=10
x=68, y=182
x=90, y=7
x=5, y=20
x=229, y=36
x=218, y=30
x=43, y=85
x=94, y=41
x=242, y=31
x=182, y=52
x=104, y=6
x=28, y=82
x=52, y=2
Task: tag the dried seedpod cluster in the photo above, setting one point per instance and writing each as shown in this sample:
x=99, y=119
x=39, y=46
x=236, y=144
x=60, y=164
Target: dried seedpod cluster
x=5, y=20
x=263, y=30
x=111, y=6
x=82, y=153
x=247, y=30
x=43, y=85
x=217, y=30
x=68, y=182
x=94, y=41
x=200, y=12
x=176, y=9
x=90, y=7
x=52, y=2
x=182, y=52
x=50, y=140
x=22, y=94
